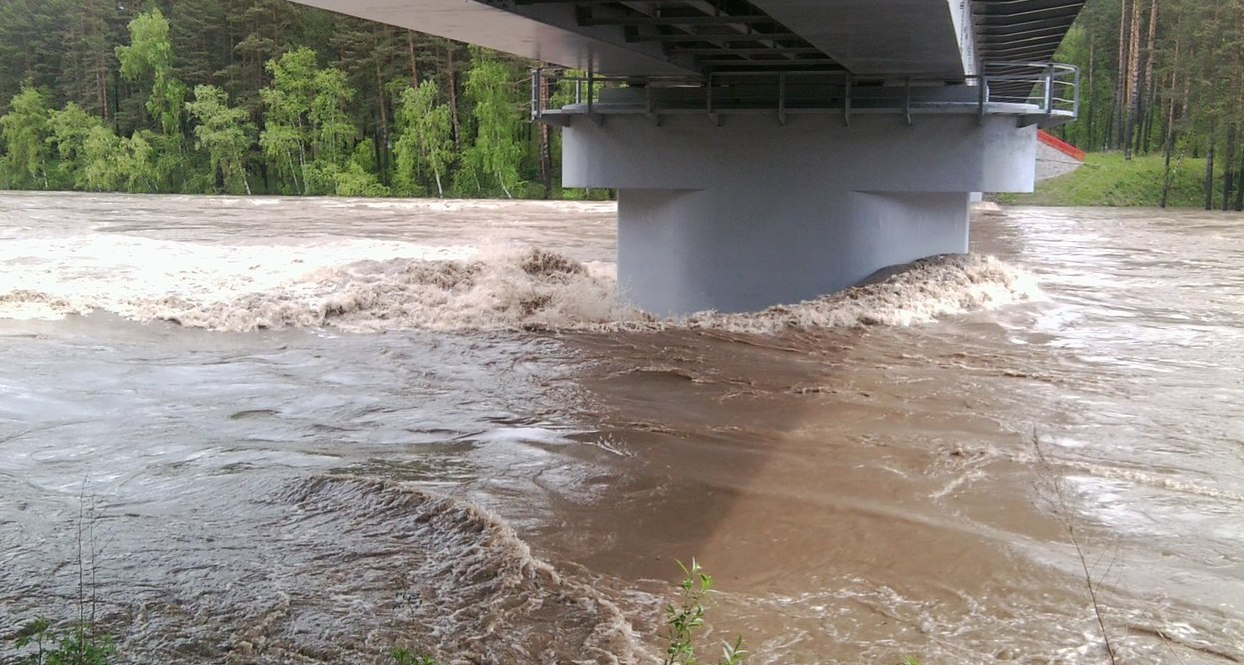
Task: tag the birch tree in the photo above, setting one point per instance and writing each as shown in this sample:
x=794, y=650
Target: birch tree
x=224, y=134
x=425, y=140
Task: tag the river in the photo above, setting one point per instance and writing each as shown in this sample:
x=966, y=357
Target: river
x=278, y=430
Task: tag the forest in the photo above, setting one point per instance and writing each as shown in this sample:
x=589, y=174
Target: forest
x=269, y=97
x=258, y=97
x=1164, y=78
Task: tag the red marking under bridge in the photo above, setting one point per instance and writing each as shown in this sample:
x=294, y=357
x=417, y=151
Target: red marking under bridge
x=1060, y=145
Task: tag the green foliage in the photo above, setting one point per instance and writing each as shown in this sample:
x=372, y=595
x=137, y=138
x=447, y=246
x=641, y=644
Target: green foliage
x=496, y=152
x=308, y=132
x=24, y=130
x=292, y=97
x=68, y=131
x=150, y=55
x=353, y=180
x=287, y=100
x=1163, y=78
x=136, y=163
x=111, y=163
x=332, y=132
x=425, y=140
x=98, y=169
x=359, y=176
x=149, y=50
x=1107, y=179
x=585, y=194
x=224, y=134
x=77, y=645
x=685, y=619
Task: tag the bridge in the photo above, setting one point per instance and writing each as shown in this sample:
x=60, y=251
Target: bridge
x=769, y=151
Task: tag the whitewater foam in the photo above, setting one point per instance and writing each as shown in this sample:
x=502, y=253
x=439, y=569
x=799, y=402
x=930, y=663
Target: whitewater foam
x=359, y=285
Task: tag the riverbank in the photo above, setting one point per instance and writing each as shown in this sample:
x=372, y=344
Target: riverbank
x=1106, y=179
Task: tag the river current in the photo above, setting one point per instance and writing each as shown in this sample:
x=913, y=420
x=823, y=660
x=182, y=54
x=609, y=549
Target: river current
x=309, y=431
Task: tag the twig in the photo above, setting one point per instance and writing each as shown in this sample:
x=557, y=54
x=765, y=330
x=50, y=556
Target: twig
x=81, y=558
x=1168, y=644
x=1075, y=541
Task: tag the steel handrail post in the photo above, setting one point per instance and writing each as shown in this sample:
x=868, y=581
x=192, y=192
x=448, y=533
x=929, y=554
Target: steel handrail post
x=1075, y=106
x=846, y=103
x=1049, y=89
x=591, y=85
x=536, y=104
x=907, y=100
x=782, y=98
x=982, y=97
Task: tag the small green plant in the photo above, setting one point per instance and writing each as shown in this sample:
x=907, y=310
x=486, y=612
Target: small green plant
x=683, y=620
x=77, y=645
x=910, y=661
x=406, y=657
x=79, y=642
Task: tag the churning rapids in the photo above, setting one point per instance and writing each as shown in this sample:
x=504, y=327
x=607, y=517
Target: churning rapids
x=310, y=431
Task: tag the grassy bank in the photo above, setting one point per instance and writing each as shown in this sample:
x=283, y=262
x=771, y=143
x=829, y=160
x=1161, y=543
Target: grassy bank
x=1106, y=179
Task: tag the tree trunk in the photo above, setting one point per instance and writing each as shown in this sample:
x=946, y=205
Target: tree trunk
x=546, y=156
x=382, y=146
x=1151, y=116
x=1150, y=86
x=101, y=89
x=414, y=66
x=116, y=100
x=1133, y=80
x=1209, y=173
x=1091, y=98
x=1239, y=186
x=245, y=181
x=1228, y=173
x=1170, y=110
x=1166, y=173
x=453, y=95
x=1116, y=132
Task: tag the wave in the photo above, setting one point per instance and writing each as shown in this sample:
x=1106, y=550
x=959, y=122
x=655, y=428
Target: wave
x=919, y=292
x=330, y=569
x=474, y=586
x=413, y=287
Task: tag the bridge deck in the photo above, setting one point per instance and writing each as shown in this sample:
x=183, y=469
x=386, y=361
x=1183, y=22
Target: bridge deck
x=903, y=38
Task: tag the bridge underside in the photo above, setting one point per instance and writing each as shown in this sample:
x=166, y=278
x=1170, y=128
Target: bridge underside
x=767, y=151
x=925, y=39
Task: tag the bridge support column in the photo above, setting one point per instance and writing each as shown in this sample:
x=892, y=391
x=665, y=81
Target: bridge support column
x=754, y=213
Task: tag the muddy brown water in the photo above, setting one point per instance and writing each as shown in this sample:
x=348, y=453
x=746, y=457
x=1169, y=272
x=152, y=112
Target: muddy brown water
x=266, y=430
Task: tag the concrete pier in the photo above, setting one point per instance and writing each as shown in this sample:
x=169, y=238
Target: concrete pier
x=754, y=213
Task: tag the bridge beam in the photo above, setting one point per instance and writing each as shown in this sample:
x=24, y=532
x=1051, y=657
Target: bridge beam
x=753, y=213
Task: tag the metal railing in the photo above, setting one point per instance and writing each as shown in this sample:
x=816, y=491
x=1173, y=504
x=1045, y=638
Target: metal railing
x=1055, y=88
x=1040, y=93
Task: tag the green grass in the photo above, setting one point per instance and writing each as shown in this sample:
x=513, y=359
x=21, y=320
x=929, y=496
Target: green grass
x=1106, y=179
